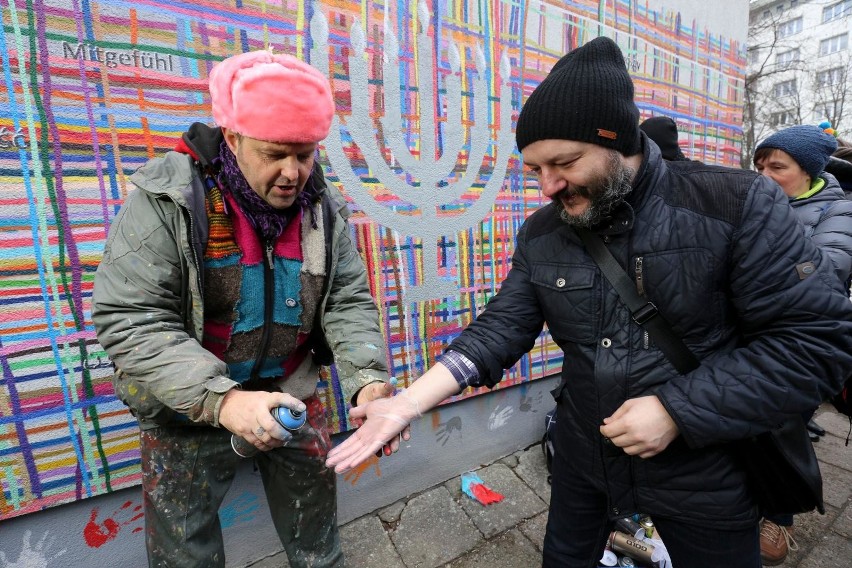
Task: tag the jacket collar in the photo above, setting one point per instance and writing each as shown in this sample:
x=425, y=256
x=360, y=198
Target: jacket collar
x=650, y=170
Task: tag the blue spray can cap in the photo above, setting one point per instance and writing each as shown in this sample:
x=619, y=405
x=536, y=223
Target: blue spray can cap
x=290, y=419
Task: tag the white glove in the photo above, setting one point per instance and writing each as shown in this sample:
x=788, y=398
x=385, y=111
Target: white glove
x=383, y=420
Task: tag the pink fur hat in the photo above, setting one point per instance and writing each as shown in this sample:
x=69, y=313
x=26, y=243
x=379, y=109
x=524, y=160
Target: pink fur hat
x=276, y=98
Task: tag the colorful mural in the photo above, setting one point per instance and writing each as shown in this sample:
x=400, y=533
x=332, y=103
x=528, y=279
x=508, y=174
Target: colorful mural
x=422, y=147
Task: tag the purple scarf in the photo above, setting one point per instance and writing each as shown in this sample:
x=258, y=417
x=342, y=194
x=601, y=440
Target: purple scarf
x=268, y=221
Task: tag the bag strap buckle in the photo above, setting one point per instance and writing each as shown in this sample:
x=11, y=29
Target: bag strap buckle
x=645, y=313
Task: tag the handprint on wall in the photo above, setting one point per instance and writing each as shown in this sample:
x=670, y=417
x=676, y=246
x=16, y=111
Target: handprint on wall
x=38, y=556
x=528, y=401
x=499, y=417
x=446, y=429
x=353, y=475
x=97, y=533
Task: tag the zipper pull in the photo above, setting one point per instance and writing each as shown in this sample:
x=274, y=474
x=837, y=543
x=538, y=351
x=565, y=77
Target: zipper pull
x=269, y=260
x=640, y=284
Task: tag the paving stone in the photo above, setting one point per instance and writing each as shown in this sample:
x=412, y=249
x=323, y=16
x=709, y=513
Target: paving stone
x=433, y=530
x=366, y=544
x=534, y=529
x=391, y=513
x=275, y=561
x=532, y=468
x=832, y=551
x=831, y=449
x=836, y=488
x=519, y=502
x=832, y=421
x=843, y=523
x=509, y=550
x=511, y=461
x=454, y=487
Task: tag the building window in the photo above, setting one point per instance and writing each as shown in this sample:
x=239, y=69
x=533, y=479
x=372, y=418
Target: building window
x=785, y=88
x=786, y=58
x=783, y=118
x=826, y=111
x=829, y=77
x=753, y=56
x=833, y=44
x=793, y=3
x=779, y=8
x=836, y=11
x=790, y=27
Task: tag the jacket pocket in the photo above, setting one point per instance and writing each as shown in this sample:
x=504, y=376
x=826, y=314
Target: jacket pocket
x=570, y=300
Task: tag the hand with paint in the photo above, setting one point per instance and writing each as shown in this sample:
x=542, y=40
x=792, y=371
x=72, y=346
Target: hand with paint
x=248, y=414
x=386, y=418
x=375, y=391
x=382, y=422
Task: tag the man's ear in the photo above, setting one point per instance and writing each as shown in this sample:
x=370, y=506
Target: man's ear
x=232, y=139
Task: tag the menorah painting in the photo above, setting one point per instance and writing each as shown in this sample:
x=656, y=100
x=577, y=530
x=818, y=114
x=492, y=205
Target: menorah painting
x=422, y=147
x=414, y=212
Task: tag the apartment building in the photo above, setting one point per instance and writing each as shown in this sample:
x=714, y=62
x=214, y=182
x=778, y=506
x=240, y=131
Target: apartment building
x=799, y=66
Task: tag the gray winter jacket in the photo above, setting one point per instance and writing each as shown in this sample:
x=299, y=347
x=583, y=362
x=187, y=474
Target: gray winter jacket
x=827, y=217
x=148, y=306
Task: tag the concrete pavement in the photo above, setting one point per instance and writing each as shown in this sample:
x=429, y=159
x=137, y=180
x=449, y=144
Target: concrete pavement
x=442, y=527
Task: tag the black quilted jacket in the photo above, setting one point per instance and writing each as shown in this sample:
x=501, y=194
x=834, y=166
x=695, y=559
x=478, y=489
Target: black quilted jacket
x=720, y=253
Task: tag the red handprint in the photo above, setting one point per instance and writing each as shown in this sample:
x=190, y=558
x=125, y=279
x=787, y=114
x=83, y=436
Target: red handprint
x=98, y=534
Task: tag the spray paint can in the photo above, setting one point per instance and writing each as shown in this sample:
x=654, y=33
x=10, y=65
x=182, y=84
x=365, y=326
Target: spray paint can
x=289, y=419
x=626, y=561
x=631, y=546
x=628, y=526
x=647, y=524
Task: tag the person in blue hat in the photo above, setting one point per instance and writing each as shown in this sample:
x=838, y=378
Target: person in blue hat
x=796, y=159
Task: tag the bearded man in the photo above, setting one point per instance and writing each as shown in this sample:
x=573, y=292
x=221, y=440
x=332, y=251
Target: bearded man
x=718, y=253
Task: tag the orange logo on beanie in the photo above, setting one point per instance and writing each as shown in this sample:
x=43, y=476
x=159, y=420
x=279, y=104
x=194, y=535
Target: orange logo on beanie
x=607, y=134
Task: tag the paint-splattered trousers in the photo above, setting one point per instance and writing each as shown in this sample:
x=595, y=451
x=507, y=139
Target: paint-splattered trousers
x=187, y=471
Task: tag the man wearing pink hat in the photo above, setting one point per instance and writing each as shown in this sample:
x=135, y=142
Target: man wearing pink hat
x=227, y=279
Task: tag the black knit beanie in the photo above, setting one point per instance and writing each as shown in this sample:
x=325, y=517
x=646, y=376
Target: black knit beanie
x=588, y=97
x=663, y=131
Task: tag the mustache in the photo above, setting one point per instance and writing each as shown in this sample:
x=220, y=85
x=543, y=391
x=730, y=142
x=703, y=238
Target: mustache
x=578, y=190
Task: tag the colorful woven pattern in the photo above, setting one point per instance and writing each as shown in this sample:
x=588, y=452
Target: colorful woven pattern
x=91, y=89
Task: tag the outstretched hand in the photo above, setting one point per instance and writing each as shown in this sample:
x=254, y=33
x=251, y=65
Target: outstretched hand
x=383, y=421
x=372, y=392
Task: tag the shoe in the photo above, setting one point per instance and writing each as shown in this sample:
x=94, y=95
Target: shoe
x=813, y=436
x=815, y=428
x=775, y=542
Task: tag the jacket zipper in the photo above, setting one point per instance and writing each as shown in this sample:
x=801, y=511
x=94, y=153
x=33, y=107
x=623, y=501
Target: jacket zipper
x=640, y=288
x=269, y=298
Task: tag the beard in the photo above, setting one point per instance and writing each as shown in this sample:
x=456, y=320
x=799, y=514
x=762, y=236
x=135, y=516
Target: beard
x=604, y=193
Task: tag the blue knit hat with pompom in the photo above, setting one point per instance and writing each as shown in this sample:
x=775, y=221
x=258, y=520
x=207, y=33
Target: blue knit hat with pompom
x=809, y=145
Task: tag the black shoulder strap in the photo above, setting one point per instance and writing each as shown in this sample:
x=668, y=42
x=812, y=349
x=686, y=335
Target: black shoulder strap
x=644, y=312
